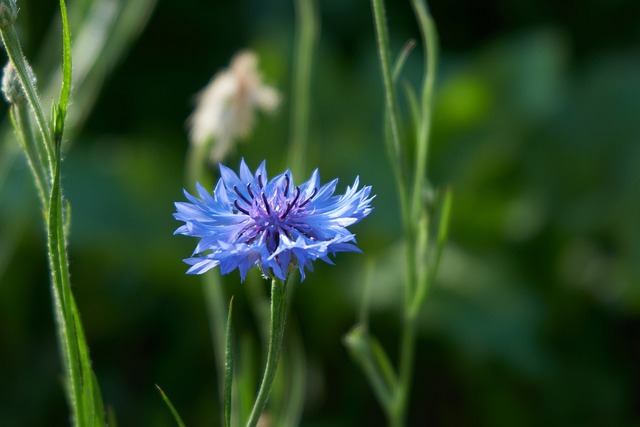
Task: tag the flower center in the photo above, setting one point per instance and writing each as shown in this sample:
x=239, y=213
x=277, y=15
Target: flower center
x=271, y=217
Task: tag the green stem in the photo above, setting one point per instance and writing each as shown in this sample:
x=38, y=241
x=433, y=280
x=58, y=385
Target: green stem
x=411, y=213
x=417, y=244
x=276, y=334
x=14, y=51
x=391, y=107
x=62, y=296
x=429, y=39
x=22, y=125
x=306, y=35
x=398, y=412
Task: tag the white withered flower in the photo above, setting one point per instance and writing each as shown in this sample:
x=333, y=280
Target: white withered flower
x=225, y=110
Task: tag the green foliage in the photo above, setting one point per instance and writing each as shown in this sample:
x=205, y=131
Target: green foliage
x=175, y=414
x=534, y=317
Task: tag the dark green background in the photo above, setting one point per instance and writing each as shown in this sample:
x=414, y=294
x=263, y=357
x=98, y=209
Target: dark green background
x=534, y=320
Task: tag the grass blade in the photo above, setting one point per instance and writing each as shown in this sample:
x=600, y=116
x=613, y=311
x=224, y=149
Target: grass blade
x=65, y=93
x=176, y=416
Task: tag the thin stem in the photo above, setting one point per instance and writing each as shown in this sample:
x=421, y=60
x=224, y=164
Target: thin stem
x=429, y=39
x=276, y=334
x=411, y=214
x=306, y=35
x=417, y=243
x=62, y=296
x=396, y=408
x=22, y=126
x=391, y=107
x=14, y=51
x=407, y=354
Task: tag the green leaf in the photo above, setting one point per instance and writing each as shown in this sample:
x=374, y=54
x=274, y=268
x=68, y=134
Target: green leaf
x=91, y=397
x=176, y=416
x=21, y=122
x=66, y=62
x=14, y=51
x=84, y=394
x=428, y=276
x=414, y=108
x=369, y=354
x=402, y=59
x=62, y=294
x=366, y=293
x=443, y=227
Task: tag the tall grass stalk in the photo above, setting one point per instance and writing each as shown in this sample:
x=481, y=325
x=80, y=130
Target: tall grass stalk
x=83, y=394
x=392, y=387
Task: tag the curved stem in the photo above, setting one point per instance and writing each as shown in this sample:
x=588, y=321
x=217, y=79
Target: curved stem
x=22, y=125
x=276, y=334
x=14, y=51
x=391, y=109
x=429, y=39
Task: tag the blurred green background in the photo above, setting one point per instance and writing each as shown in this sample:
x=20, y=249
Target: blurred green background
x=534, y=319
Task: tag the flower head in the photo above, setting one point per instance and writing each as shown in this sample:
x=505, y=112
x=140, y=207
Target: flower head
x=274, y=224
x=226, y=106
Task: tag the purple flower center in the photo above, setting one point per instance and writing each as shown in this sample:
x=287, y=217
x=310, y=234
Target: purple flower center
x=271, y=217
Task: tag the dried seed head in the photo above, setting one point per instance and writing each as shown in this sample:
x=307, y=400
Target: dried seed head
x=12, y=86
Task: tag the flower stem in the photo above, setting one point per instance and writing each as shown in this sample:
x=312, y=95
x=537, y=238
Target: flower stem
x=276, y=334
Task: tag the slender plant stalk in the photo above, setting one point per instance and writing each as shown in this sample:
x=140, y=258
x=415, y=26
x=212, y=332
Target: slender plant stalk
x=22, y=124
x=174, y=412
x=429, y=40
x=60, y=280
x=391, y=106
x=414, y=215
x=276, y=334
x=14, y=51
x=417, y=248
x=396, y=409
x=306, y=35
x=83, y=393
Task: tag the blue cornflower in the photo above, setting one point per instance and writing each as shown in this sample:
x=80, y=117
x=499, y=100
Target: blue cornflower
x=274, y=224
